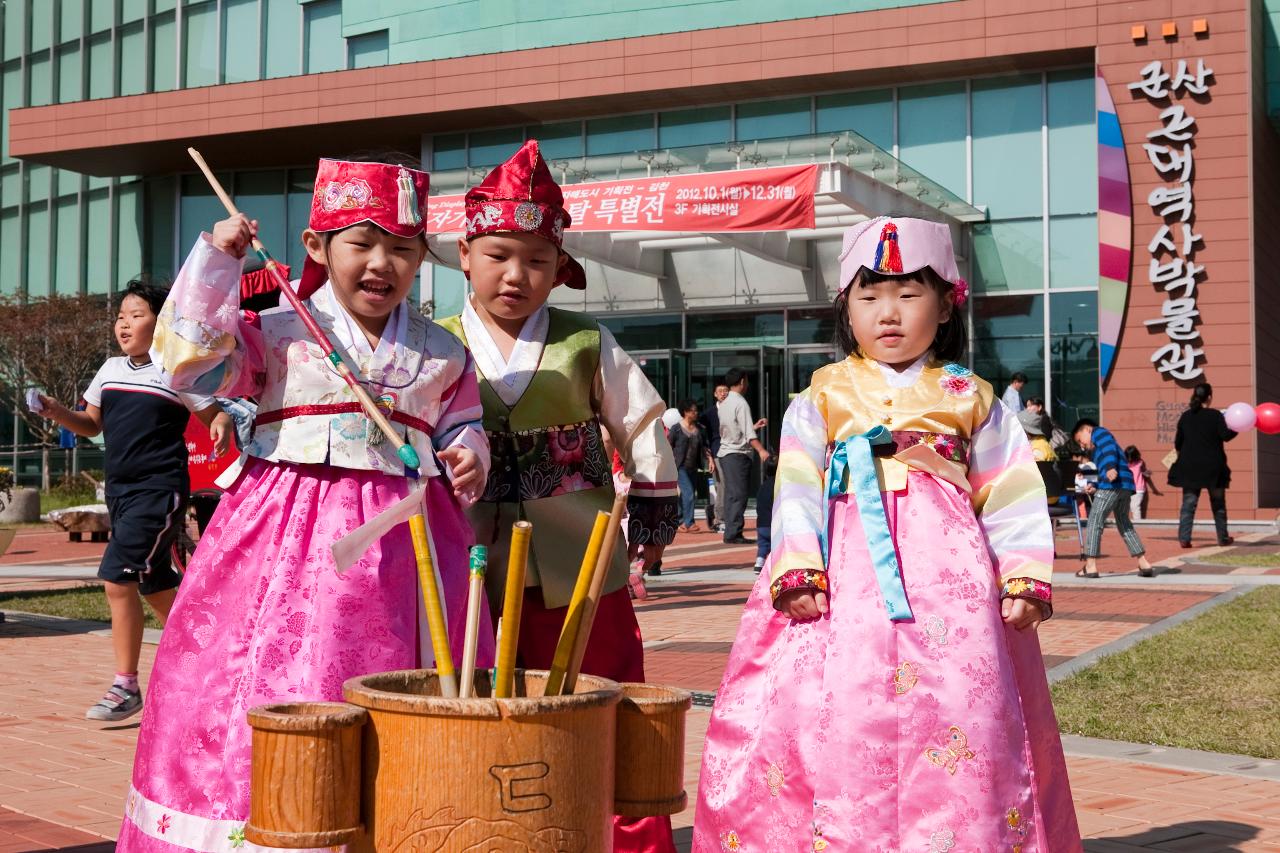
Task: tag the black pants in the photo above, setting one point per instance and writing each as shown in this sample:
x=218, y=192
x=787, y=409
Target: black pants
x=1187, y=517
x=736, y=468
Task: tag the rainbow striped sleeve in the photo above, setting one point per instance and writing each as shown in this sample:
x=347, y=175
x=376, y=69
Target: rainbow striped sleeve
x=798, y=510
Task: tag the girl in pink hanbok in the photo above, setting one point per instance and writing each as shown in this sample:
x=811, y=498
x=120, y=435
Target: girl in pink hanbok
x=265, y=614
x=886, y=690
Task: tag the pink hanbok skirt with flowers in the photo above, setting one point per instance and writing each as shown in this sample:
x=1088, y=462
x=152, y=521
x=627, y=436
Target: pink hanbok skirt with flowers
x=264, y=616
x=855, y=733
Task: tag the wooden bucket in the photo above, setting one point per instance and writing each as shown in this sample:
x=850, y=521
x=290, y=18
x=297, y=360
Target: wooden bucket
x=305, y=783
x=650, y=765
x=532, y=772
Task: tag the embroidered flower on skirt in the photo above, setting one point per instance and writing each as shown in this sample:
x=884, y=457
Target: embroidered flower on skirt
x=953, y=448
x=730, y=842
x=775, y=779
x=942, y=841
x=814, y=580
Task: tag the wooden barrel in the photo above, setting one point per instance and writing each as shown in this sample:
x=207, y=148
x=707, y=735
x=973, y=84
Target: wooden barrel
x=531, y=772
x=305, y=784
x=650, y=765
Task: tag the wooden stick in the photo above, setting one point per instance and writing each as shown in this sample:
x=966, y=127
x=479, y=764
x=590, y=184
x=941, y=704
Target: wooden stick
x=592, y=600
x=417, y=524
x=479, y=561
x=573, y=618
x=512, y=604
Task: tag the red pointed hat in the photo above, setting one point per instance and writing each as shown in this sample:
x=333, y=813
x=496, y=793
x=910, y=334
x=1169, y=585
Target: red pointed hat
x=394, y=198
x=521, y=197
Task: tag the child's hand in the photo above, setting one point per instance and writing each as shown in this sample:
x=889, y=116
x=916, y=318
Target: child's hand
x=48, y=406
x=802, y=605
x=1112, y=473
x=234, y=235
x=465, y=465
x=221, y=431
x=1021, y=614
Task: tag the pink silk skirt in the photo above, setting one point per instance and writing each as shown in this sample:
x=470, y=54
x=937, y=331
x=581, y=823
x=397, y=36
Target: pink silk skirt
x=263, y=616
x=856, y=733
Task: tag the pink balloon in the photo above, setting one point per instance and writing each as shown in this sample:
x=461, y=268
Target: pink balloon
x=1268, y=418
x=1240, y=417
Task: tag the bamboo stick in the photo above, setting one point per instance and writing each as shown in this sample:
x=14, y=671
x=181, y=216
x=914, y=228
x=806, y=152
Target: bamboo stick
x=592, y=601
x=573, y=617
x=512, y=604
x=479, y=561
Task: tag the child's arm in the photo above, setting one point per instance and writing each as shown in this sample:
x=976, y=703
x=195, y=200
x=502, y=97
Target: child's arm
x=1009, y=498
x=87, y=423
x=460, y=439
x=797, y=574
x=631, y=411
x=221, y=426
x=202, y=344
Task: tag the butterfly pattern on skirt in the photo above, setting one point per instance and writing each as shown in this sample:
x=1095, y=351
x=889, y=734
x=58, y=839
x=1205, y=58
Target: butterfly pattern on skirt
x=950, y=756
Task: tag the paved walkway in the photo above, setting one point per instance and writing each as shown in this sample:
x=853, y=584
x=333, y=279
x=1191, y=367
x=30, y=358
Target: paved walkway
x=62, y=779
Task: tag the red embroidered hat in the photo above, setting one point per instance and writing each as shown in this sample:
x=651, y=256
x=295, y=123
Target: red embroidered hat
x=394, y=198
x=521, y=197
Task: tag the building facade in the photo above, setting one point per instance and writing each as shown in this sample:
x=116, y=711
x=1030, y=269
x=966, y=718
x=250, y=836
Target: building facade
x=1067, y=164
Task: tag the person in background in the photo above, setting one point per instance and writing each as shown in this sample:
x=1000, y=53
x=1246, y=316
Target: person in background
x=1202, y=463
x=1111, y=495
x=1032, y=425
x=689, y=447
x=1012, y=396
x=1142, y=482
x=737, y=441
x=1057, y=435
x=764, y=510
x=710, y=419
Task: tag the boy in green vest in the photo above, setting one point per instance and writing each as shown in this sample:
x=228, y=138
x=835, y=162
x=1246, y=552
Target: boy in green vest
x=551, y=379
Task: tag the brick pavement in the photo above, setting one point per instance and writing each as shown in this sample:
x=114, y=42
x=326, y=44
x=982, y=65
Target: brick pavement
x=62, y=779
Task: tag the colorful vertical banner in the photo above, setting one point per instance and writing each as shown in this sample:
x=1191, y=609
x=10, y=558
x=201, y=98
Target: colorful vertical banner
x=1115, y=229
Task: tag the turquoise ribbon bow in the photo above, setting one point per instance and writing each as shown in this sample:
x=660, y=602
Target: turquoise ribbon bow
x=852, y=463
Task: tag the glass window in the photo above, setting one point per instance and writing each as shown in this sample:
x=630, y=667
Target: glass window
x=164, y=53
x=10, y=186
x=102, y=72
x=769, y=119
x=102, y=15
x=66, y=182
x=369, y=50
x=1008, y=255
x=449, y=289
x=10, y=251
x=98, y=244
x=734, y=330
x=283, y=37
x=491, y=147
x=811, y=326
x=133, y=10
x=868, y=114
x=931, y=132
x=38, y=249
x=38, y=178
x=449, y=152
x=239, y=40
x=1073, y=140
x=129, y=231
x=326, y=50
x=200, y=44
x=302, y=184
x=1008, y=337
x=70, y=19
x=68, y=258
x=15, y=20
x=40, y=80
x=160, y=223
x=41, y=24
x=1073, y=251
x=166, y=5
x=620, y=135
x=199, y=208
x=706, y=126
x=69, y=79
x=647, y=332
x=133, y=59
x=264, y=194
x=1007, y=146
x=558, y=141
x=1073, y=356
x=10, y=99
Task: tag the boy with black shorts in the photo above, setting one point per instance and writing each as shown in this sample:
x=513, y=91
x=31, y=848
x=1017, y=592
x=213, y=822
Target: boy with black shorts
x=142, y=422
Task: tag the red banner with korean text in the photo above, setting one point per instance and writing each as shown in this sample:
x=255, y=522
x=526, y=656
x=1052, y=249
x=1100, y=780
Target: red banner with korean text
x=202, y=467
x=770, y=199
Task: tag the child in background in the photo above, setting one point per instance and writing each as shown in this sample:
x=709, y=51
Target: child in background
x=552, y=380
x=142, y=423
x=265, y=615
x=886, y=690
x=764, y=509
x=1141, y=481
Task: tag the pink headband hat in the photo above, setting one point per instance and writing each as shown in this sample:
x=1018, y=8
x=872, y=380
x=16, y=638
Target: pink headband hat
x=900, y=246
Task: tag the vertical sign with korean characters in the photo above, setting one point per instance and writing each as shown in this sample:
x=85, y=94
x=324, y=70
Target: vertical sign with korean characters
x=1174, y=246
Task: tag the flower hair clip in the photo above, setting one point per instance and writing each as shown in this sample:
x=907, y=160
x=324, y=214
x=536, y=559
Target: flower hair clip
x=960, y=293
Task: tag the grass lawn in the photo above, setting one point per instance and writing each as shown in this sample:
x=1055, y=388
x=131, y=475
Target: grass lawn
x=1266, y=559
x=81, y=602
x=1207, y=684
x=61, y=499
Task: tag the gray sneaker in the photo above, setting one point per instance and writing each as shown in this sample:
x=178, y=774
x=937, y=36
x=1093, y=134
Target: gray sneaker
x=120, y=703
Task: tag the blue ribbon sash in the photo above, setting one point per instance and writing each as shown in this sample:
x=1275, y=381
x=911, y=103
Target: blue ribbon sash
x=852, y=469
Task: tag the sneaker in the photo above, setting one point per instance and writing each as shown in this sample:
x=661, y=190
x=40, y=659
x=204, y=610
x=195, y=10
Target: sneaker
x=635, y=581
x=655, y=570
x=119, y=704
x=759, y=564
